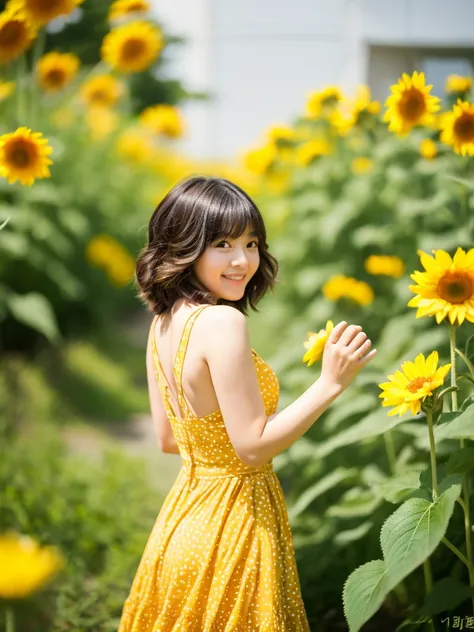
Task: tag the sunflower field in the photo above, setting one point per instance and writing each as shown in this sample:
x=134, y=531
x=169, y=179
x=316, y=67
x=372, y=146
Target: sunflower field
x=360, y=200
x=370, y=211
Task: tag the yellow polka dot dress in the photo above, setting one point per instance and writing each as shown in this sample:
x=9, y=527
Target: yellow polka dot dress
x=220, y=556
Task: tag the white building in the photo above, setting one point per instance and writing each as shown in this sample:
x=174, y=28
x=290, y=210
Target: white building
x=259, y=58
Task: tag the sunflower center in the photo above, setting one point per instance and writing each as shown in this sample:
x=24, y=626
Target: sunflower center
x=412, y=104
x=416, y=384
x=11, y=33
x=19, y=155
x=464, y=128
x=133, y=48
x=55, y=77
x=455, y=287
x=44, y=6
x=136, y=6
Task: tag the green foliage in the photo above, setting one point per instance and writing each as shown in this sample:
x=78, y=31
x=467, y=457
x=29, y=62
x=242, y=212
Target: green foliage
x=99, y=514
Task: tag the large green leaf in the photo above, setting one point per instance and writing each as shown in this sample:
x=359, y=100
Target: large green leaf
x=35, y=311
x=413, y=531
x=462, y=427
x=364, y=592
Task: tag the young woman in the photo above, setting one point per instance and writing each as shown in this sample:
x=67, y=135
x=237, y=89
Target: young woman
x=220, y=557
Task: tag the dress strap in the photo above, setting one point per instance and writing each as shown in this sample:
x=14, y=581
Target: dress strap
x=159, y=373
x=180, y=355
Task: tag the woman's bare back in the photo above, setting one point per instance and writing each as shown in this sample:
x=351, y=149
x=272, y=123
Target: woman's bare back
x=196, y=378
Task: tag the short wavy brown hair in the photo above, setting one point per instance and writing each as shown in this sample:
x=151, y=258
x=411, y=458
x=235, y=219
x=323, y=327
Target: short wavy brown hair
x=193, y=214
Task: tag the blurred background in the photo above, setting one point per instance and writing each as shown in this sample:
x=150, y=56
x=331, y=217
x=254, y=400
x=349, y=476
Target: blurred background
x=351, y=123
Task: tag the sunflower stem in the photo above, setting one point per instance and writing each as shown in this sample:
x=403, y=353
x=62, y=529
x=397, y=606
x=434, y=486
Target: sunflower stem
x=452, y=347
x=20, y=76
x=428, y=583
x=455, y=550
x=9, y=620
x=467, y=362
x=38, y=50
x=465, y=477
x=434, y=474
x=390, y=450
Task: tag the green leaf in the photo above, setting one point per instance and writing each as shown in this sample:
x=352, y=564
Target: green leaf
x=342, y=538
x=4, y=223
x=355, y=503
x=327, y=482
x=373, y=425
x=447, y=593
x=468, y=183
x=364, y=592
x=35, y=311
x=350, y=405
x=462, y=427
x=460, y=461
x=411, y=534
x=397, y=488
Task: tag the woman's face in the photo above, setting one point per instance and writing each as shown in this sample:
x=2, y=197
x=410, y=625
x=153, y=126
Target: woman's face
x=230, y=257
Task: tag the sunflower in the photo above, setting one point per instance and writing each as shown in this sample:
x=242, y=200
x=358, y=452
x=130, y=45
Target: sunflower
x=316, y=342
x=457, y=83
x=362, y=164
x=307, y=152
x=101, y=121
x=103, y=90
x=6, y=89
x=134, y=146
x=40, y=12
x=123, y=8
x=408, y=388
x=26, y=566
x=384, y=265
x=447, y=286
x=24, y=156
x=458, y=128
x=16, y=35
x=428, y=149
x=104, y=251
x=410, y=104
x=340, y=286
x=280, y=133
x=261, y=159
x=163, y=119
x=57, y=70
x=318, y=101
x=132, y=47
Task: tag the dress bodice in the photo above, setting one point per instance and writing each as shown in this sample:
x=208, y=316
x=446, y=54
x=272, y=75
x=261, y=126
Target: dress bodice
x=203, y=441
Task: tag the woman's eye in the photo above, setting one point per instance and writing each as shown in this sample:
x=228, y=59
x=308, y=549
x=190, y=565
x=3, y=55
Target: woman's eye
x=254, y=241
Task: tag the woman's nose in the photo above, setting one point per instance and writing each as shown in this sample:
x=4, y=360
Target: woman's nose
x=239, y=257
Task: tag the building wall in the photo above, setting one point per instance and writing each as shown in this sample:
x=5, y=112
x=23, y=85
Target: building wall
x=260, y=58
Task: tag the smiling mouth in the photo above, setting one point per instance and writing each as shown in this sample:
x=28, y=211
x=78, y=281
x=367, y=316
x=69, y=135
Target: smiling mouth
x=238, y=280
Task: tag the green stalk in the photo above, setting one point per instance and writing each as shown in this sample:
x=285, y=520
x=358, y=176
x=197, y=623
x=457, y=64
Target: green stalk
x=434, y=473
x=428, y=583
x=38, y=51
x=19, y=91
x=9, y=620
x=390, y=450
x=455, y=550
x=465, y=476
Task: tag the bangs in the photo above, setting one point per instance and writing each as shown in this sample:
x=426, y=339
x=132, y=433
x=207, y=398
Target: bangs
x=230, y=213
